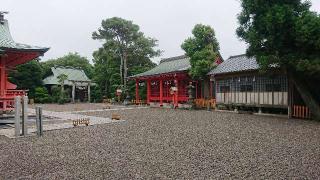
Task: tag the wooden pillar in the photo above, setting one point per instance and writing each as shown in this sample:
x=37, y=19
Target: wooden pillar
x=196, y=96
x=137, y=90
x=210, y=93
x=2, y=77
x=89, y=92
x=177, y=93
x=73, y=92
x=161, y=92
x=148, y=91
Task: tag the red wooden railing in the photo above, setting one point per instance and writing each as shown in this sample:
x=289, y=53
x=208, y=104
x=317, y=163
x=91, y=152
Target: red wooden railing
x=302, y=112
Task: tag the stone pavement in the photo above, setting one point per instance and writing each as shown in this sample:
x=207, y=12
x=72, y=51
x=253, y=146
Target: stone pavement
x=61, y=120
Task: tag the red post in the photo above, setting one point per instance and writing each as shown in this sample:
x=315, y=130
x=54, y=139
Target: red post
x=137, y=90
x=161, y=92
x=196, y=90
x=211, y=96
x=177, y=94
x=148, y=91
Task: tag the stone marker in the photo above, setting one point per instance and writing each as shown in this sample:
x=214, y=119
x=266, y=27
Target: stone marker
x=17, y=114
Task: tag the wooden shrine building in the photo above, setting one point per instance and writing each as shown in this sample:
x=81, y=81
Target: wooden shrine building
x=11, y=55
x=168, y=82
x=238, y=84
x=77, y=82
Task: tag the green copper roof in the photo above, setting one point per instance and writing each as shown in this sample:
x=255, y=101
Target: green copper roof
x=77, y=75
x=174, y=64
x=6, y=41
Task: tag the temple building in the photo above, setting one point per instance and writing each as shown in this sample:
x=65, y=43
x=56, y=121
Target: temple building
x=239, y=84
x=11, y=55
x=77, y=82
x=167, y=82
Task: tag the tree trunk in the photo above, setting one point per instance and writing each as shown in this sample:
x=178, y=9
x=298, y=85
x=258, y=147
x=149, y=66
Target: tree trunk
x=121, y=68
x=125, y=70
x=306, y=96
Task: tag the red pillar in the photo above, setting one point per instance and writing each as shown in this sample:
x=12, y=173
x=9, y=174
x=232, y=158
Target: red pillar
x=137, y=90
x=177, y=93
x=210, y=89
x=2, y=77
x=196, y=90
x=148, y=91
x=161, y=92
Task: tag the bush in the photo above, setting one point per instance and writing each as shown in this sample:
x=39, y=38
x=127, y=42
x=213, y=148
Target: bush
x=41, y=95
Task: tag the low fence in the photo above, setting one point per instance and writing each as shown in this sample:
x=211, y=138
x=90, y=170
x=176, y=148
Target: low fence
x=302, y=112
x=138, y=102
x=205, y=103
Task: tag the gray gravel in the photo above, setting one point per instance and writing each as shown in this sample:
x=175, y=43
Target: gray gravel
x=169, y=144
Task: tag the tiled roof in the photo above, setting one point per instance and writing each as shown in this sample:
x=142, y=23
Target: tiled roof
x=236, y=64
x=6, y=41
x=169, y=65
x=72, y=73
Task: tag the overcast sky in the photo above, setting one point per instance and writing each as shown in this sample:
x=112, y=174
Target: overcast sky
x=66, y=25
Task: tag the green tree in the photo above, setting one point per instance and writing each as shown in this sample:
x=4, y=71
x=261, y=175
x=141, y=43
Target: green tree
x=285, y=34
x=124, y=38
x=61, y=79
x=71, y=60
x=27, y=76
x=202, y=49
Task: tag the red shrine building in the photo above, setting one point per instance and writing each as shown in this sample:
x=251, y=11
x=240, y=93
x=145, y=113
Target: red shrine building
x=168, y=82
x=11, y=55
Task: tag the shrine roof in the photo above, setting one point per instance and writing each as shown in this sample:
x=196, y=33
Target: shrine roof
x=7, y=43
x=236, y=64
x=168, y=65
x=73, y=75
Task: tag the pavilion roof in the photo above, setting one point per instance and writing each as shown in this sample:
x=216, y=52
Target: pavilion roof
x=73, y=75
x=238, y=63
x=168, y=65
x=7, y=43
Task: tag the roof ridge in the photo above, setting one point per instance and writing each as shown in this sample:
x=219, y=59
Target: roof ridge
x=173, y=58
x=235, y=56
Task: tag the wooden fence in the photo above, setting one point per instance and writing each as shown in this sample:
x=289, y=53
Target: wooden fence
x=302, y=112
x=138, y=102
x=205, y=103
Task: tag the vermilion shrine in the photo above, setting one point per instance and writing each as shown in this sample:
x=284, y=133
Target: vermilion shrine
x=11, y=55
x=168, y=82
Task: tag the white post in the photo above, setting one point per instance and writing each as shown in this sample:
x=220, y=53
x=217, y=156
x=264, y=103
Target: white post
x=17, y=113
x=24, y=115
x=89, y=98
x=73, y=92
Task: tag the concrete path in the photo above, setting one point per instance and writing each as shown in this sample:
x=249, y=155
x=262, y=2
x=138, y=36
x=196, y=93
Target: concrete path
x=62, y=120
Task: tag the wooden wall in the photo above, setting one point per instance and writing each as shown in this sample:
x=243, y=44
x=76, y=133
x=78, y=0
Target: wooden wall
x=252, y=90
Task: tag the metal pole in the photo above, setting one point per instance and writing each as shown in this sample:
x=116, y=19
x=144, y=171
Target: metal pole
x=17, y=114
x=24, y=115
x=39, y=121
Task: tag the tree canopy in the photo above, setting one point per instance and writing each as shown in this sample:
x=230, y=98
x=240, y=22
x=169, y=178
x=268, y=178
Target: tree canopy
x=202, y=49
x=124, y=41
x=282, y=32
x=71, y=60
x=27, y=76
x=285, y=34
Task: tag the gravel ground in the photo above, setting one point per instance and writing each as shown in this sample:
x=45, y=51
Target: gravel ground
x=169, y=144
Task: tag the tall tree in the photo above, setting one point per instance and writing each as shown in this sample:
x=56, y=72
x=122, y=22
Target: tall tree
x=202, y=49
x=285, y=33
x=128, y=41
